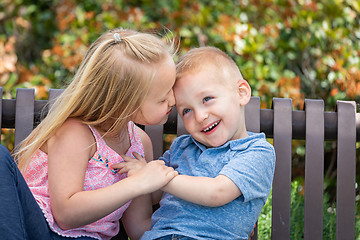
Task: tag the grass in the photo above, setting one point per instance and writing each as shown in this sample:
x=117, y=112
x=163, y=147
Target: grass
x=297, y=216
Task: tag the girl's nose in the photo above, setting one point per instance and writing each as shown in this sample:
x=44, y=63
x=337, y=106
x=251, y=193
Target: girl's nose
x=171, y=99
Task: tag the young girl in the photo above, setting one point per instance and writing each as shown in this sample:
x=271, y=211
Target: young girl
x=125, y=77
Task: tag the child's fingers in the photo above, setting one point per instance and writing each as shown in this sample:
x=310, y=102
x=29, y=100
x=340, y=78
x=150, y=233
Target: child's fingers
x=121, y=165
x=130, y=165
x=128, y=159
x=125, y=167
x=172, y=174
x=118, y=165
x=138, y=157
x=158, y=162
x=123, y=170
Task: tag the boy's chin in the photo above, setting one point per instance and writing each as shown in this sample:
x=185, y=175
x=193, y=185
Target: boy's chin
x=211, y=144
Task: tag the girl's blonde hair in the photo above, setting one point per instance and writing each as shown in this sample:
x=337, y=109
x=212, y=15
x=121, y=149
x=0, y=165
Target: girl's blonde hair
x=108, y=88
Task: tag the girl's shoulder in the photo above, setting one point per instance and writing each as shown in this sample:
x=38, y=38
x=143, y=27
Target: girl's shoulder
x=72, y=132
x=73, y=126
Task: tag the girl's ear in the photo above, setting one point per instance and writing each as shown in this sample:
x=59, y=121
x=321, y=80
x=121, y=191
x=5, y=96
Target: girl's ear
x=244, y=91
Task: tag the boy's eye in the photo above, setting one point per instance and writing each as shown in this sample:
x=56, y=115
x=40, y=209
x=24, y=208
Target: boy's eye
x=185, y=111
x=207, y=99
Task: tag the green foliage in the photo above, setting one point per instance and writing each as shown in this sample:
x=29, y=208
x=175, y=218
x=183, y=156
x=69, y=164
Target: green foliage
x=297, y=215
x=284, y=48
x=264, y=220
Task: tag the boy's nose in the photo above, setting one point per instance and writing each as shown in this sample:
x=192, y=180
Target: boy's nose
x=200, y=116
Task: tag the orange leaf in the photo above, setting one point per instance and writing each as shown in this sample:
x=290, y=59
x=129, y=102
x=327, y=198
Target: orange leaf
x=57, y=50
x=333, y=92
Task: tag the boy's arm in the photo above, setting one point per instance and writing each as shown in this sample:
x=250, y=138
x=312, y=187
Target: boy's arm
x=206, y=191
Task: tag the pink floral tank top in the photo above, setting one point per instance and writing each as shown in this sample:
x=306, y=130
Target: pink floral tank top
x=98, y=175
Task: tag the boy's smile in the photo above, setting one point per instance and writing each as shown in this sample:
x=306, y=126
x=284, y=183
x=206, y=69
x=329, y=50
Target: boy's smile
x=210, y=106
x=211, y=128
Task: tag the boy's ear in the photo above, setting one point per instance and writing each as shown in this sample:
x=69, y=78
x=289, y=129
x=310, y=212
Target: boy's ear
x=244, y=91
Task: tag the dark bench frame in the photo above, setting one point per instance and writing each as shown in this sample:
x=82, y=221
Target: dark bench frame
x=281, y=123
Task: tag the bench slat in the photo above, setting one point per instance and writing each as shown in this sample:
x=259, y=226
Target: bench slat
x=281, y=193
x=314, y=169
x=252, y=115
x=53, y=94
x=24, y=121
x=252, y=120
x=155, y=133
x=346, y=170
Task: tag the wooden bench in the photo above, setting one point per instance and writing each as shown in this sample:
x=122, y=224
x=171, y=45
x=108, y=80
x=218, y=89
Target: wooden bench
x=282, y=124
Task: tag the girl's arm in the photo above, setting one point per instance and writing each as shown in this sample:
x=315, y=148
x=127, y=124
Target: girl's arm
x=137, y=217
x=206, y=191
x=69, y=151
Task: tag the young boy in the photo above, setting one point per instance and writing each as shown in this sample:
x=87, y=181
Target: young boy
x=225, y=172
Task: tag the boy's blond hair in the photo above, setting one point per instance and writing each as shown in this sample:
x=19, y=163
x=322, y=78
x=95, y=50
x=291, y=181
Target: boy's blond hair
x=198, y=58
x=109, y=87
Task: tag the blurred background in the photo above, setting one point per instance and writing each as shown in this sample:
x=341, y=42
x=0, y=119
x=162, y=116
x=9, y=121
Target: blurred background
x=285, y=48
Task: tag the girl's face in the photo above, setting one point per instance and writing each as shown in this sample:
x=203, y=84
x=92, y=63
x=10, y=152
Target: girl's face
x=160, y=99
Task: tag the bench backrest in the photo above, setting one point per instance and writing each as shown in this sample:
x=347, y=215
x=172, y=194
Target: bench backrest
x=282, y=124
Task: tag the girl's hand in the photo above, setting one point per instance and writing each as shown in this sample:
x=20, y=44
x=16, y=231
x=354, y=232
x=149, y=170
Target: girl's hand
x=130, y=165
x=153, y=175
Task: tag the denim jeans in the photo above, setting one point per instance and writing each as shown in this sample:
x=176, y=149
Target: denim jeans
x=20, y=215
x=175, y=237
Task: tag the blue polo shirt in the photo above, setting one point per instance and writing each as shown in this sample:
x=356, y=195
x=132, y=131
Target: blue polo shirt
x=249, y=162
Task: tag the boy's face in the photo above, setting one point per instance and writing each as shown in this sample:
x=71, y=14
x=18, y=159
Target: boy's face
x=210, y=106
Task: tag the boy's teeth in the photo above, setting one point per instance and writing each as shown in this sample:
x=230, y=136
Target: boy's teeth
x=211, y=127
